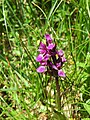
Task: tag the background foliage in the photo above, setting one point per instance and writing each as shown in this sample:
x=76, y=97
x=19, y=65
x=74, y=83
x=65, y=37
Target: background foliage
x=25, y=94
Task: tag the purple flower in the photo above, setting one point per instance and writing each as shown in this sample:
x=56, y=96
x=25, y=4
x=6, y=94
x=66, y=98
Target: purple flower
x=50, y=46
x=60, y=53
x=63, y=59
x=42, y=58
x=41, y=69
x=43, y=63
x=48, y=39
x=61, y=73
x=46, y=57
x=58, y=65
x=39, y=58
x=50, y=58
x=42, y=48
x=54, y=67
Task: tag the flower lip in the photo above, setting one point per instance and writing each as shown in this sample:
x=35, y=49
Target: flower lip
x=43, y=63
x=41, y=69
x=39, y=58
x=61, y=73
x=58, y=65
x=54, y=67
x=63, y=59
x=42, y=51
x=51, y=46
x=42, y=45
x=46, y=57
x=60, y=53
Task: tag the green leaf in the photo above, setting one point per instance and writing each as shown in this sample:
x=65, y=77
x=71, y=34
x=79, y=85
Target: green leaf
x=2, y=58
x=22, y=78
x=87, y=107
x=86, y=119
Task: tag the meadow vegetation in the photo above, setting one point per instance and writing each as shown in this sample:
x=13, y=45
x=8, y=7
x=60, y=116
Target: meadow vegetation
x=26, y=94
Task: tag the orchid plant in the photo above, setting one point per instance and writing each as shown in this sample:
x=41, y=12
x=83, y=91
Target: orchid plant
x=51, y=60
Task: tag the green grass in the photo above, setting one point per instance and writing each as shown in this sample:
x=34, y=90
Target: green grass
x=25, y=94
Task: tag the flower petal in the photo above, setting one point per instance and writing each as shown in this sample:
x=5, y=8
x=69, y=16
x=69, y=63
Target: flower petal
x=60, y=53
x=46, y=57
x=61, y=73
x=42, y=51
x=58, y=65
x=54, y=67
x=63, y=59
x=41, y=69
x=42, y=45
x=51, y=46
x=39, y=58
x=42, y=48
x=43, y=63
x=48, y=38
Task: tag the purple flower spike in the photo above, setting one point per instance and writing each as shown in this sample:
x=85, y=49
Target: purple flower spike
x=48, y=38
x=39, y=58
x=41, y=69
x=61, y=73
x=50, y=59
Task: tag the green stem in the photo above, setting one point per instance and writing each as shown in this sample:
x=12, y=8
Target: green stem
x=58, y=94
